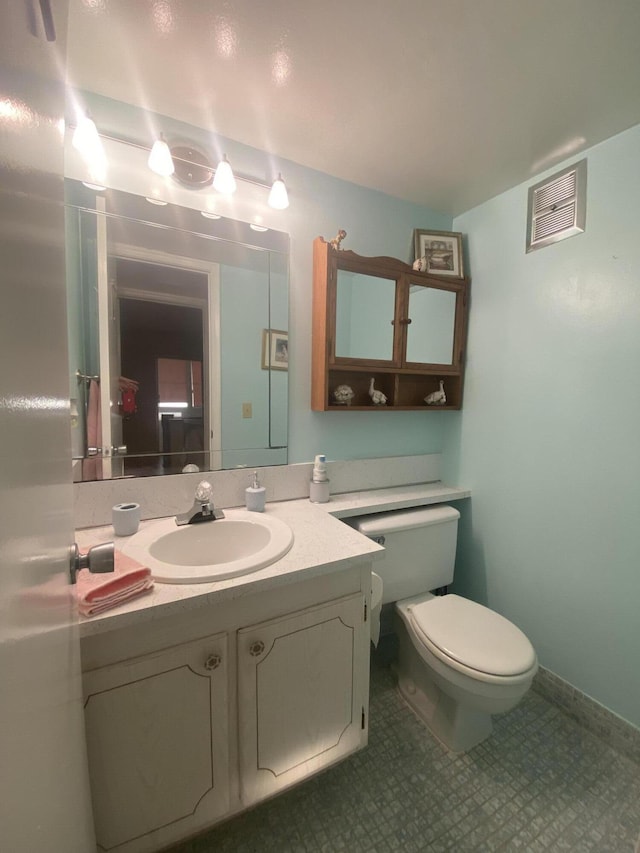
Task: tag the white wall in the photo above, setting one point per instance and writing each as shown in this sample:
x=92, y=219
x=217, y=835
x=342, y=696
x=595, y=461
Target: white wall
x=549, y=439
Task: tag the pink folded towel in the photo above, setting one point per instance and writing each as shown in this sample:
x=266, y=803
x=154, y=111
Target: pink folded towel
x=99, y=592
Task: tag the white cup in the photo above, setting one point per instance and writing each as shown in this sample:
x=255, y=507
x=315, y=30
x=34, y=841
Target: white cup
x=125, y=518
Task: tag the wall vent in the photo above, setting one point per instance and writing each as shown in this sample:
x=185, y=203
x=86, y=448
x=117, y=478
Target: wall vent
x=557, y=207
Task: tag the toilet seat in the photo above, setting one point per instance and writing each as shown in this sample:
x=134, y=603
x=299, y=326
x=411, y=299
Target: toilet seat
x=471, y=638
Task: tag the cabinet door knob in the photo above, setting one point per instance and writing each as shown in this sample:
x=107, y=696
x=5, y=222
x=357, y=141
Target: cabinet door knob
x=212, y=662
x=256, y=649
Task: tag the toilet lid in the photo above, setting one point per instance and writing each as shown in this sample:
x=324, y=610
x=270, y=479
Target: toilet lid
x=473, y=635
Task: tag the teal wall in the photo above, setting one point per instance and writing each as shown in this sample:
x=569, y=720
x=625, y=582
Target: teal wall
x=376, y=224
x=245, y=306
x=548, y=439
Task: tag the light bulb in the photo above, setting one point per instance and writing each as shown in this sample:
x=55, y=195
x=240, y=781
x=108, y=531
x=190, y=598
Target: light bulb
x=160, y=159
x=86, y=140
x=278, y=197
x=224, y=181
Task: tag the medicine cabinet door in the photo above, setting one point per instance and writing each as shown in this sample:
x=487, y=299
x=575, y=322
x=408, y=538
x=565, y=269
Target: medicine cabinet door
x=435, y=315
x=364, y=318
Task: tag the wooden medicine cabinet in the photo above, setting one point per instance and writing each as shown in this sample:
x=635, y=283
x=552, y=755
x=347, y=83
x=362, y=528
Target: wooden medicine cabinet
x=377, y=318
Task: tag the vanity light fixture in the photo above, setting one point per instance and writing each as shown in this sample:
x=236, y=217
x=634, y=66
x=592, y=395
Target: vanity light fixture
x=224, y=181
x=186, y=164
x=160, y=159
x=255, y=227
x=157, y=201
x=278, y=197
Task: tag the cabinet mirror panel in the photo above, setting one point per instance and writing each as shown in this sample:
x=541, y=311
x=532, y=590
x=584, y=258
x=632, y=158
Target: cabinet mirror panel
x=171, y=362
x=430, y=335
x=365, y=306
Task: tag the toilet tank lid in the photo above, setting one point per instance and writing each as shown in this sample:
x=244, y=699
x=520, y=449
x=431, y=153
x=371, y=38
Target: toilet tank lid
x=381, y=523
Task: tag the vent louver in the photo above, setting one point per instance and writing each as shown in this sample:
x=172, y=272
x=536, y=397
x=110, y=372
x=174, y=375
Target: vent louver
x=557, y=207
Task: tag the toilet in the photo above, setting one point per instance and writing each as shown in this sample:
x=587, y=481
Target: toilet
x=458, y=661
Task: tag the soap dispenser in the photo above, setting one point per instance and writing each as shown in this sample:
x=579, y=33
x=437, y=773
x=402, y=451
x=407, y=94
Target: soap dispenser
x=319, y=485
x=255, y=495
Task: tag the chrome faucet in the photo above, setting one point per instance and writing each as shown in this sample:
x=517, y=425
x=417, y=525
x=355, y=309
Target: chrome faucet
x=202, y=509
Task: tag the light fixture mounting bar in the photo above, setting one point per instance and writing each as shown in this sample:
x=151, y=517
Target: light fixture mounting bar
x=239, y=177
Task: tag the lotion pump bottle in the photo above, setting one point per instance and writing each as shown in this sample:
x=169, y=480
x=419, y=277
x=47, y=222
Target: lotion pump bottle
x=255, y=495
x=319, y=485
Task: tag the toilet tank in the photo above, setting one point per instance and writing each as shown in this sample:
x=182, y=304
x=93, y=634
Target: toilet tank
x=420, y=548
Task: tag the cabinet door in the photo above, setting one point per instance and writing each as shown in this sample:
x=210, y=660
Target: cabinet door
x=303, y=694
x=365, y=314
x=157, y=733
x=435, y=324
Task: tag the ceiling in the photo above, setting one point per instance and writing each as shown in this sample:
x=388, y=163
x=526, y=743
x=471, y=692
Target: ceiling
x=441, y=102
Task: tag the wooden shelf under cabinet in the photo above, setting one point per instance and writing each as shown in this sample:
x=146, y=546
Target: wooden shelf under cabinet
x=404, y=382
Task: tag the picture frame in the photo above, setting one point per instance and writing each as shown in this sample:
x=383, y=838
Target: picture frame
x=275, y=349
x=442, y=251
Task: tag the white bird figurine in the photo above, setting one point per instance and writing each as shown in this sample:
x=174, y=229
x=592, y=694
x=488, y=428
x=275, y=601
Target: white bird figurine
x=436, y=398
x=377, y=397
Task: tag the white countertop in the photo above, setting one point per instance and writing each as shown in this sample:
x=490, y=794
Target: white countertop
x=322, y=544
x=398, y=497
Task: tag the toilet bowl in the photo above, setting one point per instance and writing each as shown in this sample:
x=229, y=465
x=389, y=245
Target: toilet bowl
x=458, y=661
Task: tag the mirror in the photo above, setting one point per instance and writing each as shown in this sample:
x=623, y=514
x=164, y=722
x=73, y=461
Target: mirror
x=430, y=335
x=365, y=306
x=177, y=338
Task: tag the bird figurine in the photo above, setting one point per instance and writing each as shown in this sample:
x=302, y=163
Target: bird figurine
x=436, y=398
x=343, y=395
x=377, y=397
x=335, y=243
x=420, y=264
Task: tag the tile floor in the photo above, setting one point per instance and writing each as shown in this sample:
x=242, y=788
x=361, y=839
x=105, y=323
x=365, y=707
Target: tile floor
x=540, y=783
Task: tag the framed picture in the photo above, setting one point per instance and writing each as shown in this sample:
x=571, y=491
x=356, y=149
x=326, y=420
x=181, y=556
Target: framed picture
x=442, y=251
x=275, y=350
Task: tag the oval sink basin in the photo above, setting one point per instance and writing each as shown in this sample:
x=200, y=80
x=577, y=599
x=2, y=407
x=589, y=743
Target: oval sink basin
x=237, y=544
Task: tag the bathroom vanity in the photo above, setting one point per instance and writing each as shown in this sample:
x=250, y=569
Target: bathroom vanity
x=201, y=700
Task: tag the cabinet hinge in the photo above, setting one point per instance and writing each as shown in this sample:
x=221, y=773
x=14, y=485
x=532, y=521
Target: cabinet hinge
x=365, y=611
x=363, y=723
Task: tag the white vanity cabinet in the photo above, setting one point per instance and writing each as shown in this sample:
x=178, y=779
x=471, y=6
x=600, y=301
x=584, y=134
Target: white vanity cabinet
x=183, y=734
x=302, y=700
x=157, y=730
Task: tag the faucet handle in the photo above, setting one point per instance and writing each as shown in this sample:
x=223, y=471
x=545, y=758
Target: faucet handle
x=204, y=490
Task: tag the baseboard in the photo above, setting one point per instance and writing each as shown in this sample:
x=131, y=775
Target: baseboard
x=609, y=727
